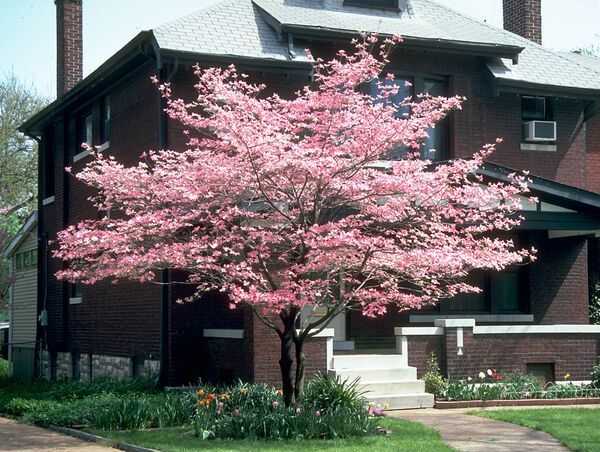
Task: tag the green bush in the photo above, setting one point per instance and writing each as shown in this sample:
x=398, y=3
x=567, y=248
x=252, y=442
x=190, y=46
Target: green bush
x=3, y=369
x=435, y=383
x=595, y=376
x=325, y=394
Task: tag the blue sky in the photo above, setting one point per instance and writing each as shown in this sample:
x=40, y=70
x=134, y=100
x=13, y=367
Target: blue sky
x=28, y=46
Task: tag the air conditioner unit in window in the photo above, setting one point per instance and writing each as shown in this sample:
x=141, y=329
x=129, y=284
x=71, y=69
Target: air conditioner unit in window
x=539, y=130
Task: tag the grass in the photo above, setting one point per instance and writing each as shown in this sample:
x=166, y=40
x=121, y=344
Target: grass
x=405, y=436
x=576, y=428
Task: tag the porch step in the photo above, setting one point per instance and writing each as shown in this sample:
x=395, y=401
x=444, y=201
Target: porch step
x=376, y=375
x=403, y=401
x=393, y=387
x=393, y=361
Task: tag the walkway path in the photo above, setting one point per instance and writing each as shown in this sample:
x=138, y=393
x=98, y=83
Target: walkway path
x=475, y=434
x=23, y=437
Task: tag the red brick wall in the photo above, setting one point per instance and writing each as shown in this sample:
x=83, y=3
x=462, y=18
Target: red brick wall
x=524, y=17
x=573, y=354
x=593, y=154
x=69, y=44
x=421, y=347
x=559, y=283
x=113, y=319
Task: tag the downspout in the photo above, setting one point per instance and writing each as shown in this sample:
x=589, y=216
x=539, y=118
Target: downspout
x=164, y=274
x=42, y=267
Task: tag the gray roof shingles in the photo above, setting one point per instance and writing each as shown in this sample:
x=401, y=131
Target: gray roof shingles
x=238, y=28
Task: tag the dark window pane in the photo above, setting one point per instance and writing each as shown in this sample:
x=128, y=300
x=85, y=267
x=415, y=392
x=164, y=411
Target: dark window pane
x=434, y=145
x=504, y=291
x=49, y=147
x=472, y=302
x=533, y=107
x=33, y=258
x=105, y=128
x=26, y=260
x=75, y=290
x=19, y=261
x=403, y=111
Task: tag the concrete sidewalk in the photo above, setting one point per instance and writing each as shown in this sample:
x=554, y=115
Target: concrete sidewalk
x=23, y=437
x=475, y=434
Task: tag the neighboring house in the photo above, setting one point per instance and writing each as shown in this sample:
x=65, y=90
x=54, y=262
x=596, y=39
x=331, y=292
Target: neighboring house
x=22, y=253
x=543, y=103
x=4, y=332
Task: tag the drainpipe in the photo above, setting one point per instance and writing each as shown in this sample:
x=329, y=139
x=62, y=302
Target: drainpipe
x=164, y=275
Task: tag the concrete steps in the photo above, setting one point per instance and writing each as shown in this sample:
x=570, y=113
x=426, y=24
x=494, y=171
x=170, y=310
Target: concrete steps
x=385, y=378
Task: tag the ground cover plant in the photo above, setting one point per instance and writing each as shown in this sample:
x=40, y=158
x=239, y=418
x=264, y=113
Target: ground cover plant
x=103, y=403
x=576, y=428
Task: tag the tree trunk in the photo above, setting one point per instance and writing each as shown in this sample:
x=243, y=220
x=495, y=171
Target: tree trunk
x=285, y=364
x=299, y=383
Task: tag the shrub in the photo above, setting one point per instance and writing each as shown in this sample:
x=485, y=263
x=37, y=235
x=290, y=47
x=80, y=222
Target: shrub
x=595, y=376
x=325, y=394
x=519, y=386
x=3, y=369
x=435, y=383
x=554, y=391
x=595, y=298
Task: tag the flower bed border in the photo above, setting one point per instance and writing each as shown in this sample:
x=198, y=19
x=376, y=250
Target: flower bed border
x=445, y=404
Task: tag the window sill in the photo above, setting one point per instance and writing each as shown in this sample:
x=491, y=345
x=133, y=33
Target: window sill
x=538, y=147
x=48, y=200
x=75, y=300
x=484, y=318
x=103, y=147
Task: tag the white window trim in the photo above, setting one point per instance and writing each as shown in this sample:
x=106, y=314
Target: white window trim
x=48, y=200
x=83, y=154
x=224, y=333
x=75, y=300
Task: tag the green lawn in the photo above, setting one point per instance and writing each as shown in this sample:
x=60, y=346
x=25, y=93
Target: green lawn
x=405, y=436
x=576, y=428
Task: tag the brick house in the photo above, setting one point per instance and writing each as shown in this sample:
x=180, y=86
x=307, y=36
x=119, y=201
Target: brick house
x=543, y=103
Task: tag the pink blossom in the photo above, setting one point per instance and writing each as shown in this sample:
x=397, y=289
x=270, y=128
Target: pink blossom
x=317, y=413
x=275, y=404
x=236, y=411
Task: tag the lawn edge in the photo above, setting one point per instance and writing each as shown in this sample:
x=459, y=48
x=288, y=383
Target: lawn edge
x=91, y=438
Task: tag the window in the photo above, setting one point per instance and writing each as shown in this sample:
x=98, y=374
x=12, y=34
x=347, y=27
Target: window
x=105, y=118
x=48, y=163
x=76, y=293
x=137, y=364
x=19, y=261
x=533, y=108
x=85, y=131
x=435, y=146
x=384, y=4
x=75, y=366
x=502, y=293
x=26, y=260
x=33, y=258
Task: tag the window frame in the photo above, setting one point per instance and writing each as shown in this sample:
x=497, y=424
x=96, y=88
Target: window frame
x=105, y=120
x=75, y=293
x=418, y=79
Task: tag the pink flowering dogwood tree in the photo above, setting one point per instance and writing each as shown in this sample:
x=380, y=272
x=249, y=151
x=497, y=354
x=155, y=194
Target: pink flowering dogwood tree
x=288, y=205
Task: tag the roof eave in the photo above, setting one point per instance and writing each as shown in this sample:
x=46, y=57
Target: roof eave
x=35, y=125
x=521, y=86
x=26, y=229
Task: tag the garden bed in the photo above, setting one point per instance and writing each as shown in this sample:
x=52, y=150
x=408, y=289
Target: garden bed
x=445, y=404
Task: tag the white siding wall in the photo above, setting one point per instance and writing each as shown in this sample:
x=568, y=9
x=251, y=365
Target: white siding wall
x=23, y=306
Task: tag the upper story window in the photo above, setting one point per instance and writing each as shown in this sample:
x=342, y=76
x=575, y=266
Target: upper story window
x=48, y=164
x=105, y=119
x=436, y=146
x=535, y=108
x=384, y=4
